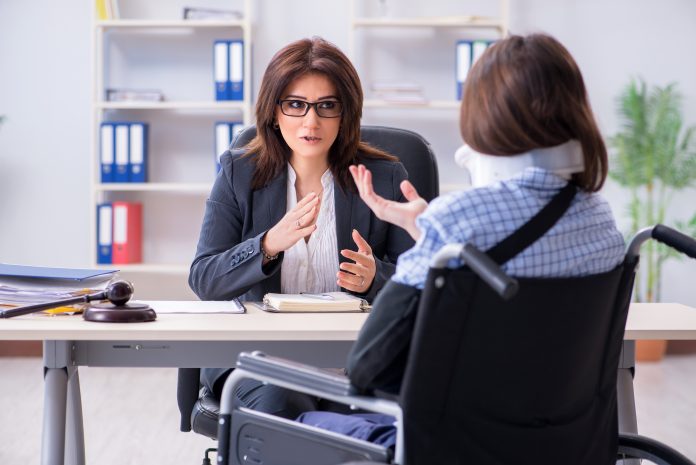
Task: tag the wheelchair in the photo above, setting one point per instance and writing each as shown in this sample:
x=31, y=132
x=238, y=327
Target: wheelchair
x=500, y=370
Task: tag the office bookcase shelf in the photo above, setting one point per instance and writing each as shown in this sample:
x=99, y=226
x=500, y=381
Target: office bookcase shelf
x=405, y=56
x=445, y=21
x=154, y=24
x=176, y=269
x=174, y=105
x=175, y=57
x=434, y=104
x=191, y=187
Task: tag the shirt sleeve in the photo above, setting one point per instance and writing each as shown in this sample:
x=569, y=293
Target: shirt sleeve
x=443, y=222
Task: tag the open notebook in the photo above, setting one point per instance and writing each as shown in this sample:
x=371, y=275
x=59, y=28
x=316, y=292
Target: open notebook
x=325, y=302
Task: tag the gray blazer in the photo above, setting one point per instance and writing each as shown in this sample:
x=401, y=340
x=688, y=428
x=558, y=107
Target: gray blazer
x=228, y=260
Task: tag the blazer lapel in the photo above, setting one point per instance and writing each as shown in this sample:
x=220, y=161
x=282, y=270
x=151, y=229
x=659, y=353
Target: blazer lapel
x=351, y=213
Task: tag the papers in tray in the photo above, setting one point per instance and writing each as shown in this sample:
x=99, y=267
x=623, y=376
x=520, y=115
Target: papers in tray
x=324, y=302
x=25, y=285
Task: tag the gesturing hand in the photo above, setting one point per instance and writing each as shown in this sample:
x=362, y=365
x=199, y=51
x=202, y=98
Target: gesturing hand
x=297, y=223
x=397, y=213
x=358, y=276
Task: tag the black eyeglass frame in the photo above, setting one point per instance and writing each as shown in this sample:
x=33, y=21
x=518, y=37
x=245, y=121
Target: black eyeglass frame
x=309, y=105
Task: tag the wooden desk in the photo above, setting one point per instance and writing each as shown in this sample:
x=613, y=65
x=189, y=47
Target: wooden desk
x=176, y=340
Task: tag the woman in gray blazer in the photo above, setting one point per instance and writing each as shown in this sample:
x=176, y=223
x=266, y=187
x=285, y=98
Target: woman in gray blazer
x=284, y=214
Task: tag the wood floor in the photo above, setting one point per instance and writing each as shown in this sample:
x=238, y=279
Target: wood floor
x=131, y=417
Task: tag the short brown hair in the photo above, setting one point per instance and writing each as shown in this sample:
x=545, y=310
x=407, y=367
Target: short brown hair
x=306, y=56
x=526, y=93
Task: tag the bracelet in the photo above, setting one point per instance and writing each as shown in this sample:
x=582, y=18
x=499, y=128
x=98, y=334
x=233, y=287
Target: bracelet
x=266, y=256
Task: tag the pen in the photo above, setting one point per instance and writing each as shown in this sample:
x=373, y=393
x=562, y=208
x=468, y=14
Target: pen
x=318, y=296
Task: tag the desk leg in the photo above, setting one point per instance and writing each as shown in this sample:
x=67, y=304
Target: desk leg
x=628, y=422
x=75, y=437
x=55, y=401
x=62, y=407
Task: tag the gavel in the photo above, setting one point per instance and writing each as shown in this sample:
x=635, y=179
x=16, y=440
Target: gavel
x=117, y=310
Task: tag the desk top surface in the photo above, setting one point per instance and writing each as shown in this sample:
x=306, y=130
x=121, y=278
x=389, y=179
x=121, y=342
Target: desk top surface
x=645, y=321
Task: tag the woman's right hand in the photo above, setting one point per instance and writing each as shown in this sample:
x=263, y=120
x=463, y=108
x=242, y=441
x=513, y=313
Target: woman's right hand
x=397, y=213
x=297, y=223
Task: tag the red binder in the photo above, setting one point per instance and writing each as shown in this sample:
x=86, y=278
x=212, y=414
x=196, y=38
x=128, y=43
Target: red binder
x=128, y=231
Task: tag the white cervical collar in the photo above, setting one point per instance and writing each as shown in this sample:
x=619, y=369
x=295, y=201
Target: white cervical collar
x=484, y=170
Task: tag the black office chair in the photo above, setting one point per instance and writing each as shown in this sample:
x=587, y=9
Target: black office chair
x=531, y=379
x=199, y=411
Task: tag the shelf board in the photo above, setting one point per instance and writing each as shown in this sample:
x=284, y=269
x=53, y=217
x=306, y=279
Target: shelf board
x=173, y=105
x=444, y=21
x=376, y=103
x=148, y=268
x=177, y=23
x=196, y=188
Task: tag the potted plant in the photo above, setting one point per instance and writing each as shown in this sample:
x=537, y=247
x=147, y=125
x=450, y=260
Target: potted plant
x=654, y=156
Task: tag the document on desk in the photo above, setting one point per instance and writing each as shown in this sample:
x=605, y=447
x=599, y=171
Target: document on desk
x=320, y=302
x=197, y=307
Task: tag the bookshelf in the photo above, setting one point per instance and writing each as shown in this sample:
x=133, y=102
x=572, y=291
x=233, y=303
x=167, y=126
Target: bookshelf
x=408, y=44
x=149, y=48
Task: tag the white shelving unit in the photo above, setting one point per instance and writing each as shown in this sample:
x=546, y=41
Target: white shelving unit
x=432, y=65
x=176, y=57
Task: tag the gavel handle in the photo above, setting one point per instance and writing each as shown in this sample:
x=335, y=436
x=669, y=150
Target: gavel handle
x=11, y=312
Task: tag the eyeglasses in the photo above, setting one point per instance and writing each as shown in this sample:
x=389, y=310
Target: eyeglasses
x=323, y=108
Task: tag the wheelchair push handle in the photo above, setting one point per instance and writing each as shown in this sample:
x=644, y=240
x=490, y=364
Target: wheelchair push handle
x=675, y=239
x=489, y=271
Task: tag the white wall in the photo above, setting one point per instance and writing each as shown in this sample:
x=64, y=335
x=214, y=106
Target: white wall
x=46, y=79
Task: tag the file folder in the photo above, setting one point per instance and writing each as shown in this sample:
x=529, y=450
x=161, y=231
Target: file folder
x=104, y=233
x=222, y=141
x=225, y=133
x=43, y=272
x=221, y=70
x=463, y=64
x=127, y=223
x=137, y=155
x=121, y=153
x=236, y=72
x=106, y=152
x=478, y=47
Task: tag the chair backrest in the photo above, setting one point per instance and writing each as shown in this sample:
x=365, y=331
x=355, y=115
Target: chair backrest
x=412, y=150
x=492, y=381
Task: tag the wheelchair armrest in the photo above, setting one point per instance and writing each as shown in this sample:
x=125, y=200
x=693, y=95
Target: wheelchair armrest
x=298, y=374
x=301, y=378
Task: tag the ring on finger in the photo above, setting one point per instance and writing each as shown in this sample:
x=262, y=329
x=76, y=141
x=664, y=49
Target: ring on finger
x=362, y=281
x=297, y=223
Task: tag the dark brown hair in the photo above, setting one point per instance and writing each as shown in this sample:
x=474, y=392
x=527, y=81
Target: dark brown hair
x=526, y=93
x=302, y=57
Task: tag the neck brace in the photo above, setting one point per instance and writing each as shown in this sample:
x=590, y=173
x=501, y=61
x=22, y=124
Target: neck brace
x=483, y=170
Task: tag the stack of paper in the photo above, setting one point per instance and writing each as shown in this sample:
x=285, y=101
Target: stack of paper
x=26, y=285
x=326, y=302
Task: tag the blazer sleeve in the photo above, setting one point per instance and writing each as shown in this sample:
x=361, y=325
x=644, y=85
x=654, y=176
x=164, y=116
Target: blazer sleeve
x=398, y=240
x=225, y=266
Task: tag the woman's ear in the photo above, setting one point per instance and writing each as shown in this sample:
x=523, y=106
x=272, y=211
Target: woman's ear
x=275, y=125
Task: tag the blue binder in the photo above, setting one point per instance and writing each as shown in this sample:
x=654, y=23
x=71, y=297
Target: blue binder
x=105, y=220
x=225, y=133
x=236, y=71
x=137, y=154
x=463, y=64
x=221, y=70
x=106, y=152
x=121, y=149
x=222, y=141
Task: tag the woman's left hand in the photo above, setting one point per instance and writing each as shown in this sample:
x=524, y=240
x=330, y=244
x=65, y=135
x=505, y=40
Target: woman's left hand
x=357, y=277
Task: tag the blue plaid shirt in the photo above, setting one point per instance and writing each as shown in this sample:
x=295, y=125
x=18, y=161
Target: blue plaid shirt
x=584, y=241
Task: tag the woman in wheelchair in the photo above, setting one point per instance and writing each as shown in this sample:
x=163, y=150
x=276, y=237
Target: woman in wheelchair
x=284, y=214
x=530, y=137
